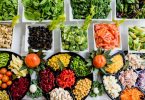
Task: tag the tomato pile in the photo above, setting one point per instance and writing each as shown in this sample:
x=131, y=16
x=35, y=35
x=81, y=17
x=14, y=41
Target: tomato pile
x=66, y=79
x=5, y=78
x=19, y=88
x=47, y=80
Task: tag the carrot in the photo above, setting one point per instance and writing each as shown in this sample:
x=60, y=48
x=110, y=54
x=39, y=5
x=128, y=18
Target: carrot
x=131, y=94
x=107, y=36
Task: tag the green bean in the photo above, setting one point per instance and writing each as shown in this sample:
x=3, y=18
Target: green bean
x=136, y=38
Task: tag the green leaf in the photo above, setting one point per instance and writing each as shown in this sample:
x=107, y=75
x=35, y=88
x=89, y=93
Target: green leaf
x=118, y=23
x=103, y=70
x=15, y=20
x=57, y=22
x=22, y=68
x=30, y=71
x=61, y=65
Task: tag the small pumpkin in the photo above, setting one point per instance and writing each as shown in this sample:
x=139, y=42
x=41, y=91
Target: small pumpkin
x=32, y=60
x=99, y=61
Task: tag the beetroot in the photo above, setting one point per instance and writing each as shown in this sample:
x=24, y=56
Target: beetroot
x=19, y=88
x=47, y=80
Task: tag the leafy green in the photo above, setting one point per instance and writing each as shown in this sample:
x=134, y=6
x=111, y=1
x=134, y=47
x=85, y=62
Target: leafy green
x=15, y=20
x=81, y=8
x=130, y=9
x=43, y=9
x=8, y=9
x=38, y=92
x=99, y=86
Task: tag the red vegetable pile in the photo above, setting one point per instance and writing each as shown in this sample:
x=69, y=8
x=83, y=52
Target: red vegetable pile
x=19, y=88
x=66, y=79
x=47, y=80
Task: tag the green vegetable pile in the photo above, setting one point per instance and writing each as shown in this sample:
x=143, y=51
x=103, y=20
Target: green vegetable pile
x=73, y=38
x=43, y=9
x=97, y=89
x=81, y=8
x=130, y=9
x=136, y=38
x=79, y=66
x=4, y=58
x=8, y=9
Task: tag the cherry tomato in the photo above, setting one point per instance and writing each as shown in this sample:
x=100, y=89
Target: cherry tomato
x=9, y=82
x=3, y=70
x=1, y=76
x=5, y=78
x=9, y=73
x=4, y=85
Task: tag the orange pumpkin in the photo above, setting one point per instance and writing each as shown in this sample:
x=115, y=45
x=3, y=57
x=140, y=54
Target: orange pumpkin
x=99, y=61
x=32, y=60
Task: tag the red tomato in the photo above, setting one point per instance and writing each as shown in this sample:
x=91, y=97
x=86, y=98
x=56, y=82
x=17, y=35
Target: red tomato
x=5, y=78
x=99, y=61
x=3, y=70
x=9, y=73
x=9, y=82
x=1, y=76
x=4, y=85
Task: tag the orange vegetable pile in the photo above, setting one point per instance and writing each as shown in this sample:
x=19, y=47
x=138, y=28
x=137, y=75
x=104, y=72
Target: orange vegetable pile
x=32, y=60
x=107, y=36
x=131, y=94
x=5, y=78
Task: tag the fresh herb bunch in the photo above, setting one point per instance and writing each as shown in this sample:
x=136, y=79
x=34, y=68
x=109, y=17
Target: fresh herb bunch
x=43, y=9
x=97, y=89
x=130, y=9
x=38, y=92
x=81, y=8
x=8, y=9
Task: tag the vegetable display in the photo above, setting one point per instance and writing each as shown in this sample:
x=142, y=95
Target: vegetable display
x=79, y=67
x=15, y=66
x=59, y=61
x=71, y=75
x=131, y=9
x=136, y=38
x=40, y=38
x=43, y=9
x=116, y=65
x=8, y=9
x=4, y=58
x=19, y=88
x=111, y=85
x=74, y=38
x=80, y=9
x=82, y=88
x=5, y=78
x=6, y=34
x=131, y=94
x=128, y=78
x=47, y=80
x=107, y=36
x=60, y=94
x=135, y=61
x=66, y=79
